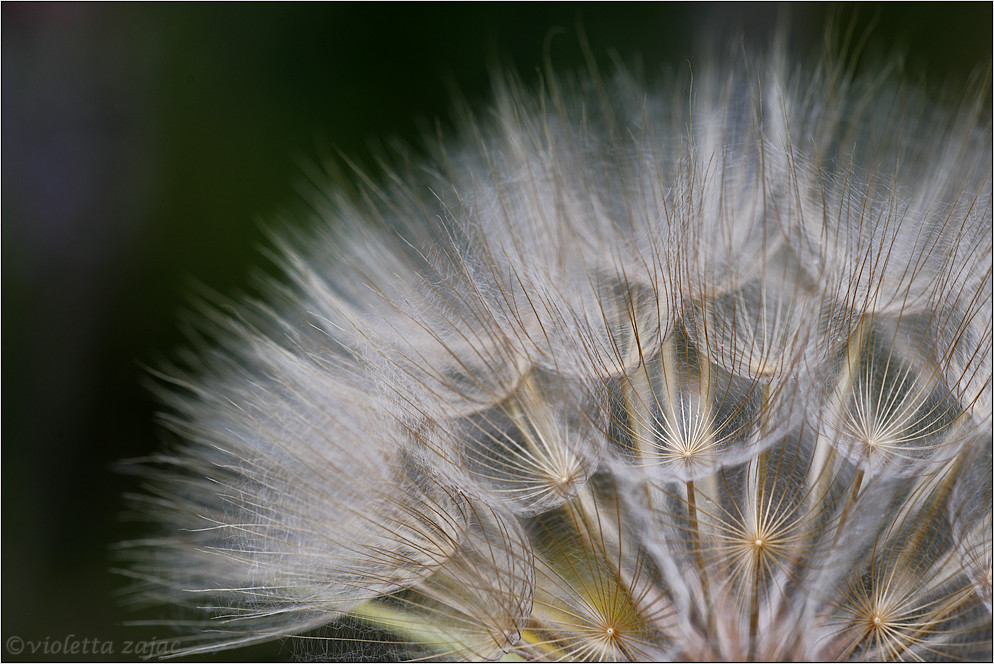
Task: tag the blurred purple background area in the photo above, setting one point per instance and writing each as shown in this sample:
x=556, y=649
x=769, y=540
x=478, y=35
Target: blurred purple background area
x=145, y=148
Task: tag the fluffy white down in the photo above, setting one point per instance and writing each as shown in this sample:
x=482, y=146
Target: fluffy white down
x=694, y=371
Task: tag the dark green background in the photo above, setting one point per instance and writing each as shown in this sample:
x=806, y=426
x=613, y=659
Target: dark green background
x=145, y=147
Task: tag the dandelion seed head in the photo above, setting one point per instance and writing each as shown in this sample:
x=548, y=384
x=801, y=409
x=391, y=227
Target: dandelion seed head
x=691, y=372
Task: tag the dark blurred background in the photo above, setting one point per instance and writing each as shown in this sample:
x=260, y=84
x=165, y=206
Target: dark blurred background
x=145, y=148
